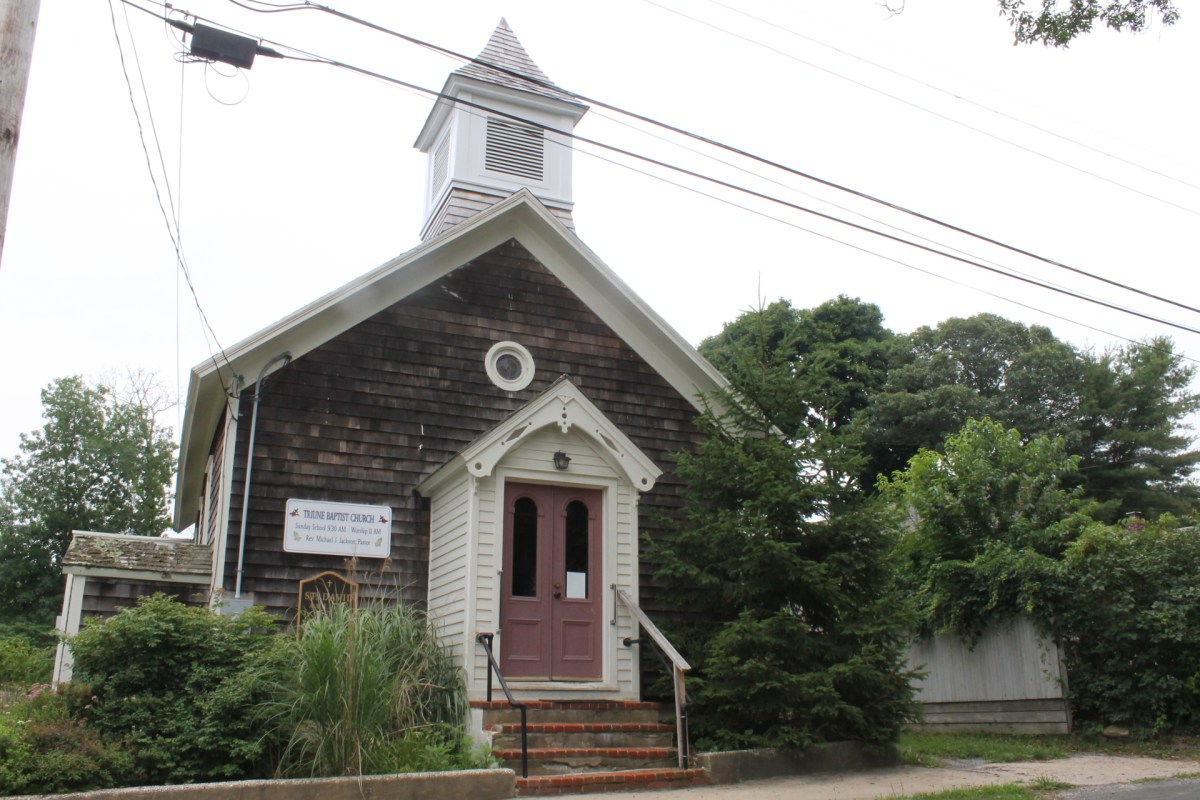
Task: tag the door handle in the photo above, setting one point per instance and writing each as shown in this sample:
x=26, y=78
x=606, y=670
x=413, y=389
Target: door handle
x=557, y=590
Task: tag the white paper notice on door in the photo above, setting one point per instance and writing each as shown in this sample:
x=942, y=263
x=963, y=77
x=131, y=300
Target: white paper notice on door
x=577, y=585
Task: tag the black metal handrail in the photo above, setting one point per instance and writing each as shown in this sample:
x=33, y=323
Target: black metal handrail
x=666, y=652
x=486, y=639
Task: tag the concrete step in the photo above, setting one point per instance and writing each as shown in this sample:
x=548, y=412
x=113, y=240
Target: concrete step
x=565, y=711
x=622, y=781
x=569, y=760
x=507, y=736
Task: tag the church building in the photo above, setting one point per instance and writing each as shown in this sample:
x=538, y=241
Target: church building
x=485, y=425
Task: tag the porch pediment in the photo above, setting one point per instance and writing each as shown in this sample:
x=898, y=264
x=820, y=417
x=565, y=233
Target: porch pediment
x=566, y=407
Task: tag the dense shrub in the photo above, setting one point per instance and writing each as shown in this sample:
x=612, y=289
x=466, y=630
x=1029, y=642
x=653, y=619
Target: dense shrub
x=1128, y=620
x=47, y=745
x=793, y=623
x=364, y=691
x=168, y=685
x=26, y=658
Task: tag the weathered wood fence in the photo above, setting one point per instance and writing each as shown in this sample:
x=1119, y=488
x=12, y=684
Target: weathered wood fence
x=1011, y=681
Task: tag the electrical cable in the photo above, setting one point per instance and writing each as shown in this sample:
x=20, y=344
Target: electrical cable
x=896, y=261
x=309, y=6
x=741, y=189
x=158, y=194
x=826, y=201
x=313, y=58
x=934, y=87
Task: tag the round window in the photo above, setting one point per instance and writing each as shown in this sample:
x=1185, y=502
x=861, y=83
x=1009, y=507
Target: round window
x=510, y=366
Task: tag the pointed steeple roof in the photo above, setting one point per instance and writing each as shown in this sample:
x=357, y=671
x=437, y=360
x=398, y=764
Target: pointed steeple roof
x=511, y=131
x=504, y=50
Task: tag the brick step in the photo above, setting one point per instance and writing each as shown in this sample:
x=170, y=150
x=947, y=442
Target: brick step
x=623, y=781
x=564, y=760
x=569, y=711
x=507, y=736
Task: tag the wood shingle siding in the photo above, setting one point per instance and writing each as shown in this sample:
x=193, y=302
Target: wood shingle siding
x=378, y=408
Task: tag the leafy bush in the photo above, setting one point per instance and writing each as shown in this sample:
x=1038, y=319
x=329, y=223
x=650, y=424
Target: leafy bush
x=364, y=691
x=25, y=659
x=984, y=524
x=167, y=683
x=1128, y=620
x=48, y=746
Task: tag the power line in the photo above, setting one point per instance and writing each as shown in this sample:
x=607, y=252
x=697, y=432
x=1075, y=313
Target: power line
x=936, y=88
x=877, y=254
x=309, y=6
x=311, y=57
x=919, y=107
x=167, y=219
x=750, y=192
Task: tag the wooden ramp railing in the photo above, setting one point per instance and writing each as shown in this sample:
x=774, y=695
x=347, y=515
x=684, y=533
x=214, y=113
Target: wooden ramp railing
x=677, y=667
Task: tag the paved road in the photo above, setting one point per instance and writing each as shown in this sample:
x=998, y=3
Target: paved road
x=1156, y=790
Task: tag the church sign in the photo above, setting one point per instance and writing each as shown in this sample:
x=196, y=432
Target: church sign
x=337, y=529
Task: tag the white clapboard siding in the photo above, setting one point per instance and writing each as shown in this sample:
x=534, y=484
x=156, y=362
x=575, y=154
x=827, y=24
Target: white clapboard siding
x=465, y=548
x=449, y=563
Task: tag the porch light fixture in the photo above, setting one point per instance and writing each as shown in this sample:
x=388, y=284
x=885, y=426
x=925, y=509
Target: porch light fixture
x=561, y=460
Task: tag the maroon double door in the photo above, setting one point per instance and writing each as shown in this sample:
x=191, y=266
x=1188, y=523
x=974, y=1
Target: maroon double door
x=551, y=595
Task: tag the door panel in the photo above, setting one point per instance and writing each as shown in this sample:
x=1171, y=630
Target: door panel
x=550, y=626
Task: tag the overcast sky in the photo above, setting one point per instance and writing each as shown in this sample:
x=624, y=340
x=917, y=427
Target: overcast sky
x=291, y=178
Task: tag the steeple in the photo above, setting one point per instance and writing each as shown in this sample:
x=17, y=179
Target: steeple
x=501, y=138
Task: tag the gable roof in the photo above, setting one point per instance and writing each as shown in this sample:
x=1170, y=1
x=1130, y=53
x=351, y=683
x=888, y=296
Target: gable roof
x=521, y=217
x=562, y=405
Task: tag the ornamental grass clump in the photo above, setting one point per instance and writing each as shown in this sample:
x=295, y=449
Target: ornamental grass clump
x=365, y=691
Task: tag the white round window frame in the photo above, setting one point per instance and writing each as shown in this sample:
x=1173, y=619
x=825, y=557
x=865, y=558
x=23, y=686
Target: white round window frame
x=501, y=349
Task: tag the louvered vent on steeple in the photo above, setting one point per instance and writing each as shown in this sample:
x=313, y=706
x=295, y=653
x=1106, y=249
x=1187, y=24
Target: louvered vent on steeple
x=476, y=160
x=441, y=163
x=514, y=148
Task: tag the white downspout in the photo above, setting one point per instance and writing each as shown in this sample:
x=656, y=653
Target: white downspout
x=258, y=388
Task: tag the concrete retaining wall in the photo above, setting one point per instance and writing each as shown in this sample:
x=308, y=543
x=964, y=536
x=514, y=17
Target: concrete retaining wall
x=482, y=784
x=747, y=765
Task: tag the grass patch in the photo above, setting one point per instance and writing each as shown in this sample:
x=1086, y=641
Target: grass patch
x=934, y=749
x=1008, y=791
x=931, y=749
x=1180, y=747
x=1048, y=784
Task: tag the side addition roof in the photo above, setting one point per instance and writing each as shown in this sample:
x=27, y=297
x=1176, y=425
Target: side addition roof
x=521, y=217
x=121, y=555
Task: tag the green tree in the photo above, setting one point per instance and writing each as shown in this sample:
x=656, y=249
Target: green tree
x=1122, y=412
x=967, y=368
x=99, y=463
x=986, y=521
x=1058, y=24
x=797, y=634
x=837, y=355
x=1135, y=456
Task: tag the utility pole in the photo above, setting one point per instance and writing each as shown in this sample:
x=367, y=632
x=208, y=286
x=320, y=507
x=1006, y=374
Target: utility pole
x=18, y=23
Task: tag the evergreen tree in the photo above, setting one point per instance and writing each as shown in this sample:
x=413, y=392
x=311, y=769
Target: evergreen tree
x=797, y=634
x=1135, y=456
